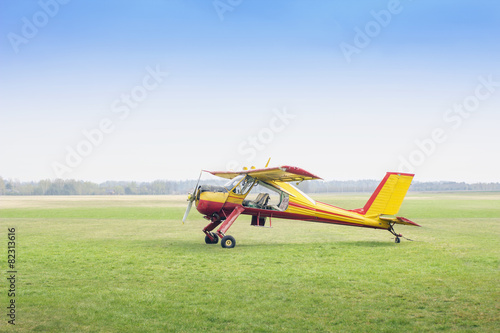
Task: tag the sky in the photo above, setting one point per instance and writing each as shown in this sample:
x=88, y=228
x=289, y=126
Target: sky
x=146, y=90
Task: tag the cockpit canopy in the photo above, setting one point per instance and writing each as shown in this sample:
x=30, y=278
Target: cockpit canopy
x=240, y=184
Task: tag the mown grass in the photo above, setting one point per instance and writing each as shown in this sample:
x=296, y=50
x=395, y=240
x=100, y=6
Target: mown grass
x=129, y=265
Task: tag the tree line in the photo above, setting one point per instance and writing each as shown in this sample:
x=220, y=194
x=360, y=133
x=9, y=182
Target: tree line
x=158, y=187
x=369, y=185
x=76, y=187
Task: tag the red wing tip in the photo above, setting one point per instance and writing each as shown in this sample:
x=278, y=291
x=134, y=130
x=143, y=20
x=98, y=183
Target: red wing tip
x=298, y=171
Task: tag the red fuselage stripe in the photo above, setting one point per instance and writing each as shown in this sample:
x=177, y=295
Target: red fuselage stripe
x=320, y=210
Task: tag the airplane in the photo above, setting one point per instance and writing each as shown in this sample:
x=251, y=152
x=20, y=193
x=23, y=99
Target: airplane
x=277, y=198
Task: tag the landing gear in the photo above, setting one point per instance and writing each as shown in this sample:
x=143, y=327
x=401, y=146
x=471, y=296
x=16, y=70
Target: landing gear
x=228, y=242
x=397, y=240
x=211, y=238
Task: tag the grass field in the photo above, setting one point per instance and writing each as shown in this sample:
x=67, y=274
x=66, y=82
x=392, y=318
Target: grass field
x=127, y=264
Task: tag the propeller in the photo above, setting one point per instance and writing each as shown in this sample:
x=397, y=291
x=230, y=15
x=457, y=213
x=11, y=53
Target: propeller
x=191, y=198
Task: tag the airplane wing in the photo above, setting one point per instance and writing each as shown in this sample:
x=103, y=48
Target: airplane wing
x=282, y=174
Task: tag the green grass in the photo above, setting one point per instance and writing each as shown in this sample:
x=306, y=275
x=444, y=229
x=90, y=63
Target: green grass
x=127, y=264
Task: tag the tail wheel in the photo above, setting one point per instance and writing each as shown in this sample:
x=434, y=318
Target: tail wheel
x=228, y=242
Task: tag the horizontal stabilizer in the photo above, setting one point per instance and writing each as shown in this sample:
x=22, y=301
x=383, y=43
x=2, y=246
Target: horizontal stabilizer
x=398, y=220
x=403, y=220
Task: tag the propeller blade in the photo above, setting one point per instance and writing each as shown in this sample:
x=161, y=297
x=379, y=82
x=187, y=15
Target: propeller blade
x=191, y=198
x=190, y=204
x=196, y=187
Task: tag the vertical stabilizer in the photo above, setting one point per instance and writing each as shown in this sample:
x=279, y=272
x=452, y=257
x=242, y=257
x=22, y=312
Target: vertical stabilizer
x=389, y=195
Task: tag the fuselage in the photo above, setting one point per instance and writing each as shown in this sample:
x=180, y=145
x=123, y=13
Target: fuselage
x=298, y=206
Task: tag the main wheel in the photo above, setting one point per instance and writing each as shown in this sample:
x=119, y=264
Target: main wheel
x=228, y=242
x=397, y=240
x=215, y=239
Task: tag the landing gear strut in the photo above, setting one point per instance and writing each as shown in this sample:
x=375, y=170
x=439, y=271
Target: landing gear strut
x=397, y=240
x=227, y=241
x=211, y=238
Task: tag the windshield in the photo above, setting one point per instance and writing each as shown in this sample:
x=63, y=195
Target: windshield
x=240, y=185
x=232, y=183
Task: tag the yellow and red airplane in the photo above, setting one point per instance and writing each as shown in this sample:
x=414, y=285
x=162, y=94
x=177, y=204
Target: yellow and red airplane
x=274, y=197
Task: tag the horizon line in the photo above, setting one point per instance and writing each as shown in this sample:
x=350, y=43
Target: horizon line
x=221, y=179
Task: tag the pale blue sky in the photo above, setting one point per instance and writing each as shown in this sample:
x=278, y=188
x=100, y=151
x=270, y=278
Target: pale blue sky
x=353, y=117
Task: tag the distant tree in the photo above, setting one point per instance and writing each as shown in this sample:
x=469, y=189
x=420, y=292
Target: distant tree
x=2, y=186
x=44, y=185
x=69, y=188
x=56, y=187
x=119, y=190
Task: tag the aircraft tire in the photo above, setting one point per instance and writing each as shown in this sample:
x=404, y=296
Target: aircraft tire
x=397, y=240
x=209, y=241
x=228, y=242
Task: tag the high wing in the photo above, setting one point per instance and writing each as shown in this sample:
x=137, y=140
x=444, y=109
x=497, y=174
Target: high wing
x=283, y=173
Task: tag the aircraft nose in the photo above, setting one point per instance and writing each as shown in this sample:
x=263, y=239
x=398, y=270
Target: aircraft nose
x=210, y=202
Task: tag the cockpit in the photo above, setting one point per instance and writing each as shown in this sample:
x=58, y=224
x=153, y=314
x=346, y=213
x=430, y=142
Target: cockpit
x=240, y=184
x=259, y=194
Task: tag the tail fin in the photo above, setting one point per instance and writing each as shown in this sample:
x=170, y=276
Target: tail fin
x=389, y=195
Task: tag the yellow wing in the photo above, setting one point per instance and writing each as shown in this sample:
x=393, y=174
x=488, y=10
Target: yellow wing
x=281, y=174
